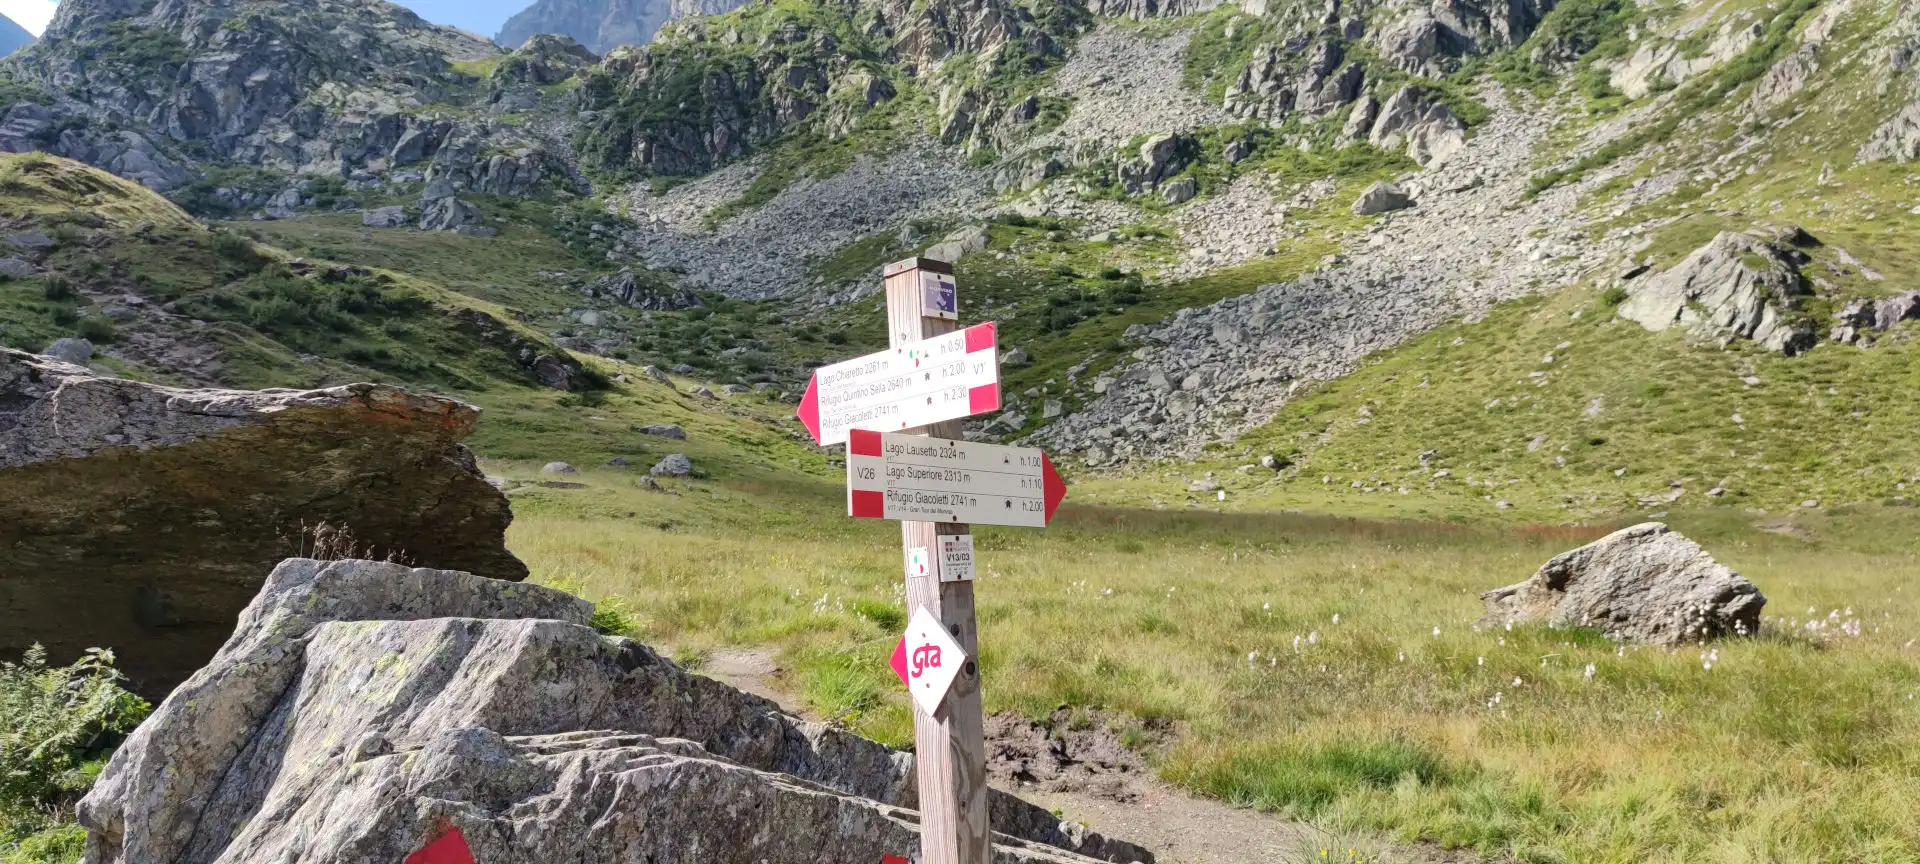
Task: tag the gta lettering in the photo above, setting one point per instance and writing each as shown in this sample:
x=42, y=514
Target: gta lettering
x=925, y=657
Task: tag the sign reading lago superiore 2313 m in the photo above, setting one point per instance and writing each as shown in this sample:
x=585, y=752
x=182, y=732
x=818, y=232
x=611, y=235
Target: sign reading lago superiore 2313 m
x=917, y=384
x=919, y=479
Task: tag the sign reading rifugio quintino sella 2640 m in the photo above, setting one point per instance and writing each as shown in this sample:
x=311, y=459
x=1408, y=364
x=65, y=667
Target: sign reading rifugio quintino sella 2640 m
x=917, y=384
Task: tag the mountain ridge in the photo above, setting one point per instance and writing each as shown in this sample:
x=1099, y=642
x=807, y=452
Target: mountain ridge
x=1129, y=185
x=603, y=25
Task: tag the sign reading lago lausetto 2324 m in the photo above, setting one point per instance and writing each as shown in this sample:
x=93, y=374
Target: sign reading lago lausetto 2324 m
x=919, y=479
x=917, y=384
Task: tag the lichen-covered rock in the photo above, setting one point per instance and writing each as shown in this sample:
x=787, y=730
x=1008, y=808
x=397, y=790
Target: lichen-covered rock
x=1640, y=584
x=364, y=709
x=141, y=518
x=1736, y=286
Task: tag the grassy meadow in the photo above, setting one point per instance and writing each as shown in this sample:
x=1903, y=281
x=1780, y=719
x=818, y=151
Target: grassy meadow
x=1320, y=666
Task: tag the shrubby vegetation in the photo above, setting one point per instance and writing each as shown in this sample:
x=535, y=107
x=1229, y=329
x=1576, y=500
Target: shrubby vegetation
x=58, y=725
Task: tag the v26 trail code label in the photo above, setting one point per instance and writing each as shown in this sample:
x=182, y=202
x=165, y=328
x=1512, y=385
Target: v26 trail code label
x=919, y=479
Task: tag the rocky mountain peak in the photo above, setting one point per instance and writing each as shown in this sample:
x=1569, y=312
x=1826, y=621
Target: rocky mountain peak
x=603, y=25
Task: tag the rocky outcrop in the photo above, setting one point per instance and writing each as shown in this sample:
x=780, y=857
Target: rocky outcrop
x=540, y=361
x=1280, y=80
x=1860, y=320
x=1735, y=287
x=544, y=59
x=1381, y=197
x=365, y=710
x=337, y=89
x=603, y=25
x=642, y=293
x=448, y=214
x=640, y=119
x=1426, y=127
x=140, y=518
x=29, y=126
x=1141, y=10
x=1161, y=157
x=1642, y=584
x=1656, y=64
x=1897, y=139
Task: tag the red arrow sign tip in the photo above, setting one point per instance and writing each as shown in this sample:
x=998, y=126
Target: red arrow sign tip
x=1053, y=487
x=809, y=410
x=899, y=661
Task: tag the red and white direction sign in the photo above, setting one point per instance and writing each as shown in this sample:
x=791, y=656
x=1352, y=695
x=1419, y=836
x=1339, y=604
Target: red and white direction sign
x=917, y=384
x=927, y=660
x=919, y=479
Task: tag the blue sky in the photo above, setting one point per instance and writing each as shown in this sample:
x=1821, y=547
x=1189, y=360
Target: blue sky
x=480, y=16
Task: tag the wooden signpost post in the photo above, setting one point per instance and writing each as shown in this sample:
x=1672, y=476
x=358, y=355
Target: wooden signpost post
x=934, y=373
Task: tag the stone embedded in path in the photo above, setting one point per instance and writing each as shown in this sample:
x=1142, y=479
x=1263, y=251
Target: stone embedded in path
x=1644, y=584
x=363, y=710
x=558, y=468
x=142, y=518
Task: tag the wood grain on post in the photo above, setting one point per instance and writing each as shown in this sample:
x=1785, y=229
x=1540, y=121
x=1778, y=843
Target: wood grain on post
x=949, y=746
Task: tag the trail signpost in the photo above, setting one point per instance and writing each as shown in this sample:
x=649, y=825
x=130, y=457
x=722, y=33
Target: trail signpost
x=898, y=411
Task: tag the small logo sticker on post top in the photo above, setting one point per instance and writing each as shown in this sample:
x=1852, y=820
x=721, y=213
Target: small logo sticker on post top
x=939, y=297
x=956, y=558
x=917, y=562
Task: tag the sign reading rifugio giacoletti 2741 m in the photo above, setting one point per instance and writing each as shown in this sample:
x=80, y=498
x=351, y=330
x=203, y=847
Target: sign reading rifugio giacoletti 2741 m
x=917, y=384
x=914, y=478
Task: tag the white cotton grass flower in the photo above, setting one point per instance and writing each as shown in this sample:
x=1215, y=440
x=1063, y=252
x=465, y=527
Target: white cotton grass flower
x=1589, y=673
x=1403, y=656
x=1436, y=632
x=1517, y=682
x=1252, y=656
x=1336, y=617
x=1313, y=638
x=1482, y=662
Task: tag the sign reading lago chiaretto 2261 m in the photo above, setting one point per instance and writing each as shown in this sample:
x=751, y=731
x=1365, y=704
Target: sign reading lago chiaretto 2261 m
x=916, y=384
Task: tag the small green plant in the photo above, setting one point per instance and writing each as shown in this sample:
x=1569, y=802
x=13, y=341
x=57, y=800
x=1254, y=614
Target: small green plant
x=57, y=289
x=1614, y=295
x=886, y=615
x=58, y=724
x=610, y=618
x=95, y=329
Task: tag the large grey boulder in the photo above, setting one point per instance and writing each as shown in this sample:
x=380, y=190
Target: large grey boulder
x=385, y=217
x=1736, y=286
x=1427, y=128
x=363, y=710
x=448, y=214
x=963, y=242
x=1641, y=584
x=72, y=350
x=673, y=465
x=142, y=518
x=1381, y=197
